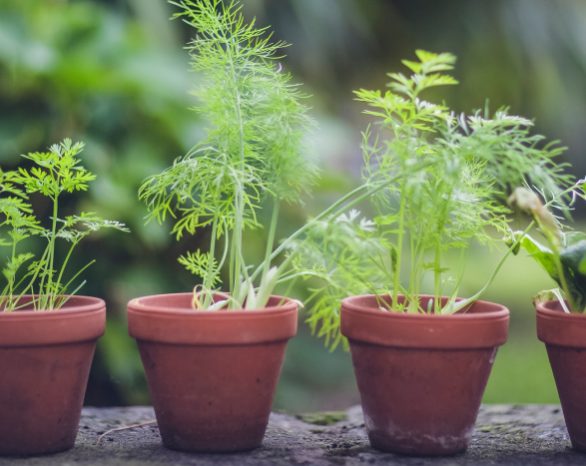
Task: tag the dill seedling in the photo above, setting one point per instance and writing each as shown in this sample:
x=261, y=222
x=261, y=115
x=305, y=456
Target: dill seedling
x=52, y=174
x=250, y=156
x=444, y=178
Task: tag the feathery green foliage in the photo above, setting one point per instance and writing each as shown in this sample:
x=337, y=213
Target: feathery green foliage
x=250, y=156
x=438, y=180
x=342, y=253
x=52, y=174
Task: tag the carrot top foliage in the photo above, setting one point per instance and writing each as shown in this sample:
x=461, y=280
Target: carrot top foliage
x=440, y=181
x=52, y=174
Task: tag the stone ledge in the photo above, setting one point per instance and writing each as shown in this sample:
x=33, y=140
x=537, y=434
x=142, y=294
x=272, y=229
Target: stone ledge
x=505, y=434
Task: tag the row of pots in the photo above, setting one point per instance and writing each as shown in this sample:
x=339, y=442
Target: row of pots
x=212, y=375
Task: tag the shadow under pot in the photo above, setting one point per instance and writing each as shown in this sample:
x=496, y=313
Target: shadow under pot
x=564, y=335
x=45, y=359
x=421, y=376
x=211, y=374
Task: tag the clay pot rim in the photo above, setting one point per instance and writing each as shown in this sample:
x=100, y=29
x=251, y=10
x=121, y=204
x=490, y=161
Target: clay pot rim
x=87, y=304
x=544, y=309
x=82, y=319
x=558, y=328
x=500, y=311
x=139, y=305
x=486, y=326
x=175, y=323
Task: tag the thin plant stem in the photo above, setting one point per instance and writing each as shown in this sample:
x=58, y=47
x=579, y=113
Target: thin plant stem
x=12, y=258
x=270, y=239
x=66, y=261
x=49, y=291
x=344, y=203
x=236, y=252
x=466, y=302
x=209, y=278
x=77, y=274
x=400, y=234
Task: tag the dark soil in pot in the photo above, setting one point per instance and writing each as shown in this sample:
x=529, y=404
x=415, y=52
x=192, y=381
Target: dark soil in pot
x=564, y=336
x=211, y=374
x=45, y=359
x=421, y=377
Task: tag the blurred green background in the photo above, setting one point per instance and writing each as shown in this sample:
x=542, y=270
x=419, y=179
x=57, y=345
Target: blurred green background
x=114, y=74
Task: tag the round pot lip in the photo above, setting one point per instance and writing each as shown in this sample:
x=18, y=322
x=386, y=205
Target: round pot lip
x=82, y=319
x=71, y=308
x=497, y=312
x=179, y=324
x=141, y=305
x=484, y=326
x=544, y=309
x=558, y=328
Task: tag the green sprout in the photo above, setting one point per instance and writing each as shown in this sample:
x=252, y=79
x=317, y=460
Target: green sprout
x=251, y=155
x=51, y=174
x=439, y=181
x=250, y=158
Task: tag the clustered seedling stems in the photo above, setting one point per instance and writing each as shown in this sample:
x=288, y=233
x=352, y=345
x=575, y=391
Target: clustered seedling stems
x=424, y=212
x=52, y=173
x=437, y=183
x=252, y=156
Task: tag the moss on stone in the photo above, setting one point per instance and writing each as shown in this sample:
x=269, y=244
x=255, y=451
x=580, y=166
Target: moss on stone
x=325, y=418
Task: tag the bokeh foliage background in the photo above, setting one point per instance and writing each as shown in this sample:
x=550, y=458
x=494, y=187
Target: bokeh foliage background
x=114, y=74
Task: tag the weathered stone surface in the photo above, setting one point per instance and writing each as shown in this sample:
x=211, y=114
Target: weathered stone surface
x=505, y=434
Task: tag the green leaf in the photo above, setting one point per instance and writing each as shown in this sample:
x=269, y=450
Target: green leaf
x=435, y=62
x=10, y=271
x=412, y=65
x=582, y=266
x=434, y=80
x=572, y=259
x=542, y=254
x=201, y=265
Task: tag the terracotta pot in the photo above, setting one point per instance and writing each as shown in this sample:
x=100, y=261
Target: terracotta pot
x=564, y=336
x=421, y=377
x=45, y=359
x=211, y=374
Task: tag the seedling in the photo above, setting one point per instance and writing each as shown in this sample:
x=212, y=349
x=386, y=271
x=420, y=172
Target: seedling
x=445, y=178
x=250, y=158
x=45, y=277
x=563, y=256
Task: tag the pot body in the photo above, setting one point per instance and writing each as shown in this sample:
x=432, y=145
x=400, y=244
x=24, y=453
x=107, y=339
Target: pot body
x=421, y=377
x=45, y=359
x=564, y=336
x=211, y=374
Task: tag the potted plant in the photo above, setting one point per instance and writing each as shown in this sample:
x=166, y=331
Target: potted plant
x=47, y=332
x=422, y=360
x=212, y=357
x=561, y=323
